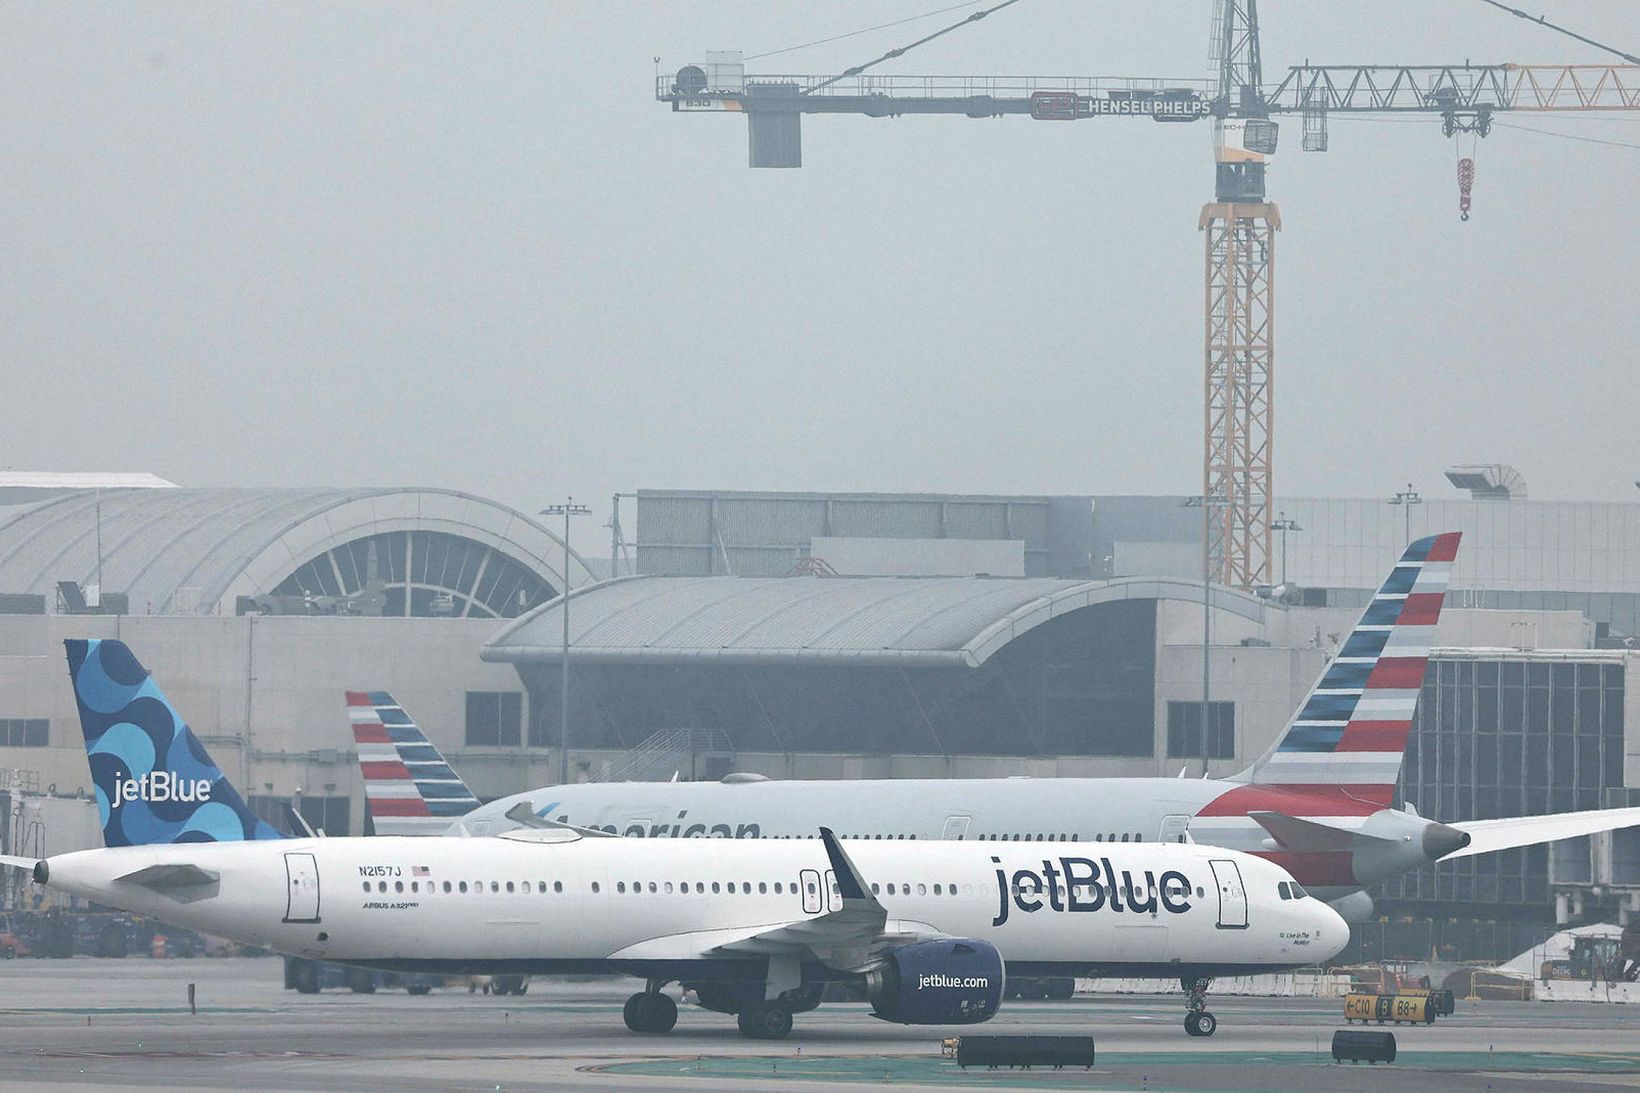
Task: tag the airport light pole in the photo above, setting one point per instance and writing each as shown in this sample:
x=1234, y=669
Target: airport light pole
x=566, y=510
x=1407, y=498
x=1207, y=505
x=1284, y=525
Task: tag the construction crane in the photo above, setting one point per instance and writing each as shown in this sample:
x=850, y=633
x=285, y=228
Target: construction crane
x=1238, y=225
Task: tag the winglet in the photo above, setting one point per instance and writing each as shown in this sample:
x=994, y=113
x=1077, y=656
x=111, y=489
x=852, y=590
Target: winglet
x=850, y=884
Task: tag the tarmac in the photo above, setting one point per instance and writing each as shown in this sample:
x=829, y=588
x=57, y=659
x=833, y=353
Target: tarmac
x=119, y=1024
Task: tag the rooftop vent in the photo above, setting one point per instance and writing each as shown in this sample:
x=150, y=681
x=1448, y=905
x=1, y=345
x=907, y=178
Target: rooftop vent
x=1489, y=481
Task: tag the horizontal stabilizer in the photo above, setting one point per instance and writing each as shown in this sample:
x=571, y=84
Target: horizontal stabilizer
x=523, y=814
x=17, y=863
x=182, y=882
x=1309, y=836
x=1506, y=834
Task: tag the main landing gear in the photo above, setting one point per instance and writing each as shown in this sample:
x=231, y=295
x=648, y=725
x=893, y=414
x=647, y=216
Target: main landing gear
x=1198, y=1022
x=651, y=1011
x=770, y=1020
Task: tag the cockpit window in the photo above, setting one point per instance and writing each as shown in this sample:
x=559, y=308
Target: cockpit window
x=1284, y=891
x=1298, y=890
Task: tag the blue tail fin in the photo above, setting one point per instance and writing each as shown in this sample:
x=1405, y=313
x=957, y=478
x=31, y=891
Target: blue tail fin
x=155, y=783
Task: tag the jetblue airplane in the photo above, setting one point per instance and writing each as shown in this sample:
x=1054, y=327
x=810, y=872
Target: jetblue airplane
x=755, y=928
x=1319, y=802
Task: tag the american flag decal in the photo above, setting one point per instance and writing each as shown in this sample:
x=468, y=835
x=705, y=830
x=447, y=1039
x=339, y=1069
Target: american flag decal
x=418, y=870
x=408, y=787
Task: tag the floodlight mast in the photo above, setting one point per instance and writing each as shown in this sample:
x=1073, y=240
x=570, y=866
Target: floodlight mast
x=1239, y=224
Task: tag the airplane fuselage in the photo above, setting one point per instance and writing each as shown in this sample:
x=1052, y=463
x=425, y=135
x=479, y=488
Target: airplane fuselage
x=1102, y=811
x=539, y=902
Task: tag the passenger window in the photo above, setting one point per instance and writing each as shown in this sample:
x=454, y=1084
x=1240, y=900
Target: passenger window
x=762, y=887
x=557, y=886
x=937, y=890
x=620, y=886
x=651, y=887
x=540, y=888
x=463, y=887
x=594, y=887
x=415, y=886
x=509, y=887
x=700, y=887
x=381, y=886
x=715, y=888
x=746, y=887
x=922, y=889
x=891, y=889
x=367, y=886
x=495, y=886
x=398, y=886
x=1124, y=836
x=446, y=886
x=777, y=888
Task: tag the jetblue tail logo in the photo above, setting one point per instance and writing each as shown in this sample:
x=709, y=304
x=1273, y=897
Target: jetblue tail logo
x=1352, y=729
x=154, y=781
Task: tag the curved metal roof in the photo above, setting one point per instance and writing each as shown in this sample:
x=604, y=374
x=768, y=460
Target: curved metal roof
x=219, y=544
x=860, y=620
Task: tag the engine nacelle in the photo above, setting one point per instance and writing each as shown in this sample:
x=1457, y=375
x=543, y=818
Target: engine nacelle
x=952, y=981
x=1353, y=908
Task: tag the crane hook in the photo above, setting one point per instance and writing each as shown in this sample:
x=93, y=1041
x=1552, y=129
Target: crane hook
x=1466, y=180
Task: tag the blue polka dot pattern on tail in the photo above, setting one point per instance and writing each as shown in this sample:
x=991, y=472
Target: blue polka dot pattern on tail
x=155, y=783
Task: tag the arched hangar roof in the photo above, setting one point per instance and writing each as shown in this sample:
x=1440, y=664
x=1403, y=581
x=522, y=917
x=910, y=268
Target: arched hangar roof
x=889, y=621
x=195, y=551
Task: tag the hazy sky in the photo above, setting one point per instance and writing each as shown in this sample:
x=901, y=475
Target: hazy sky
x=461, y=245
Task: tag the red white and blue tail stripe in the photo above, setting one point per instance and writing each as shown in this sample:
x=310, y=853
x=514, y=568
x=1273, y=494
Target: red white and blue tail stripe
x=409, y=789
x=1350, y=734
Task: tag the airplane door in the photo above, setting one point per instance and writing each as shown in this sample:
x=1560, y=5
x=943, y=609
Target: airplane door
x=955, y=827
x=302, y=895
x=1174, y=828
x=1232, y=895
x=834, y=895
x=810, y=879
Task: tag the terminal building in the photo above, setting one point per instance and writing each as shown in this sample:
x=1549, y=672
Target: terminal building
x=839, y=635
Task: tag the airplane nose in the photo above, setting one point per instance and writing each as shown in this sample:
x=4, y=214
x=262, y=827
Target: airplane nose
x=1441, y=840
x=1331, y=929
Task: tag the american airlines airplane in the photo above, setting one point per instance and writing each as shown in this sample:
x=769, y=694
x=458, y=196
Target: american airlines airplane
x=756, y=928
x=1319, y=802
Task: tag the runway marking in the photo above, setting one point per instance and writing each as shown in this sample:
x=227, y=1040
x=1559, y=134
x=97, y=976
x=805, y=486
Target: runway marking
x=1112, y=1066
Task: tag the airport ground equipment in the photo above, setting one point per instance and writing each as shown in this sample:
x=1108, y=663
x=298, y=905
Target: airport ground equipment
x=1239, y=225
x=312, y=976
x=1025, y=1052
x=1363, y=1046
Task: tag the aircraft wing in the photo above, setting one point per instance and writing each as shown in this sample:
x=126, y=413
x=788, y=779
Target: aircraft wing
x=1489, y=835
x=844, y=938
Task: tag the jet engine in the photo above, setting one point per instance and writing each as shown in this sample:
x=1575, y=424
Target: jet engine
x=952, y=981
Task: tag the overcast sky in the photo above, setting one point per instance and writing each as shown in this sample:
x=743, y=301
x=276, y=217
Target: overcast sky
x=461, y=245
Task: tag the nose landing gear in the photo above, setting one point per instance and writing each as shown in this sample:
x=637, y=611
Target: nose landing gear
x=1198, y=1022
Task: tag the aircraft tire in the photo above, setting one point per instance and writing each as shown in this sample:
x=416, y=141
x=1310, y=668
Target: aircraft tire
x=660, y=1013
x=1205, y=1024
x=360, y=981
x=1060, y=989
x=418, y=988
x=766, y=1021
